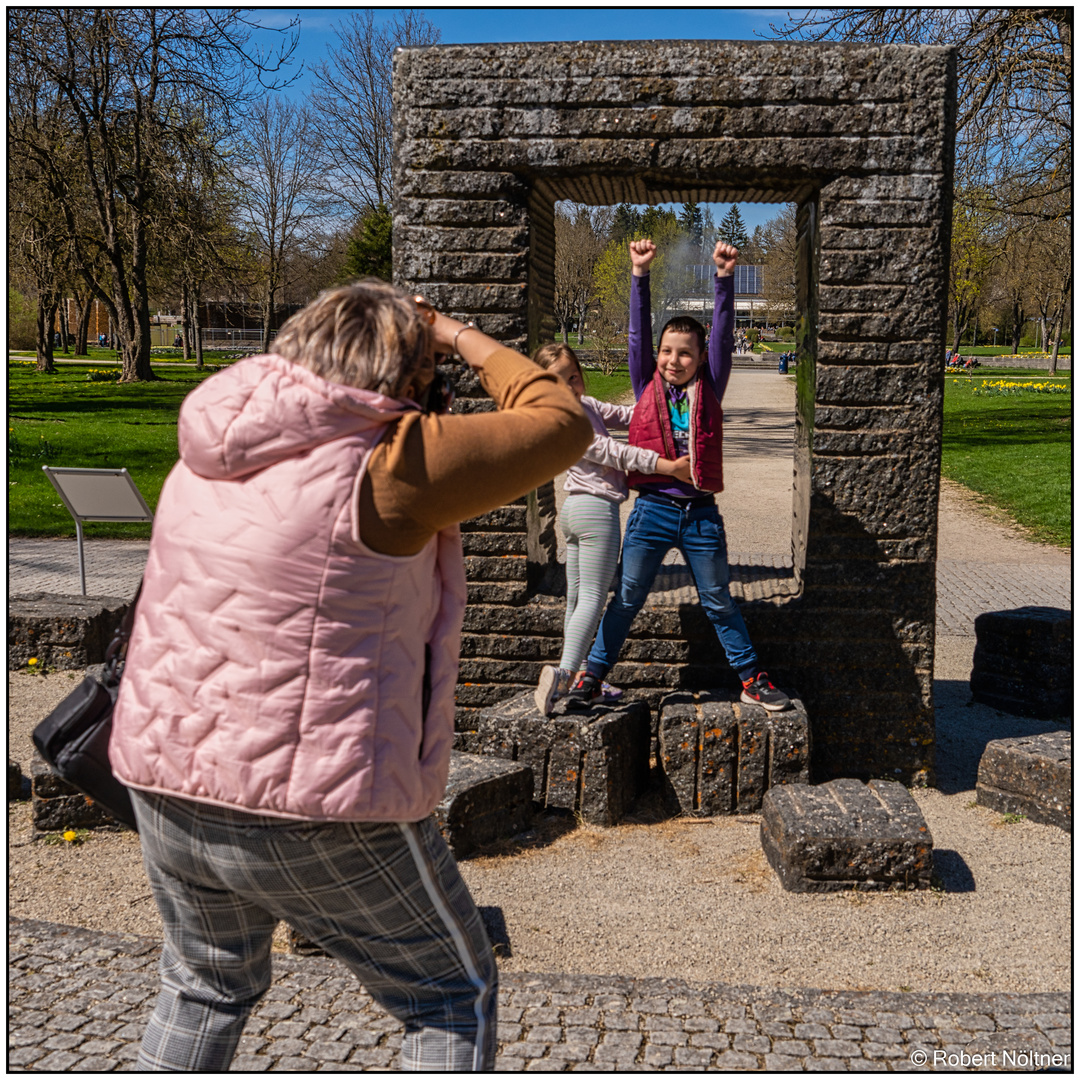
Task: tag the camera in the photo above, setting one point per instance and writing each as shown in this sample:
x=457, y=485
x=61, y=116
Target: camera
x=439, y=395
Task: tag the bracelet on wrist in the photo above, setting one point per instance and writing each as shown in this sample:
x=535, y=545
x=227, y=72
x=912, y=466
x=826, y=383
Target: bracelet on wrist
x=461, y=330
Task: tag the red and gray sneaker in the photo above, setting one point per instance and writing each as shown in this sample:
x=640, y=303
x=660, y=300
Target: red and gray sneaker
x=759, y=691
x=585, y=693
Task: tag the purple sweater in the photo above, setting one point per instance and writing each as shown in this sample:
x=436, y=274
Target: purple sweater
x=643, y=361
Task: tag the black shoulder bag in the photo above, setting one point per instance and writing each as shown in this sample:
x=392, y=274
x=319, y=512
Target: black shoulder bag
x=74, y=737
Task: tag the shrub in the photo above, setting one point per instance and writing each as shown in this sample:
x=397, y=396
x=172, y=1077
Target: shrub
x=787, y=332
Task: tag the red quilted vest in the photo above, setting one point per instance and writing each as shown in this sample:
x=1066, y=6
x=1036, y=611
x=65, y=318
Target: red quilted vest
x=650, y=427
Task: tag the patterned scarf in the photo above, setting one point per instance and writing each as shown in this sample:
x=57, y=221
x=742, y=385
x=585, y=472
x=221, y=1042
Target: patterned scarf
x=678, y=403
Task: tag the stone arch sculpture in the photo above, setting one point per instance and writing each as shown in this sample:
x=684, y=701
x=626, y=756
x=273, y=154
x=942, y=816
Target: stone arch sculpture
x=488, y=137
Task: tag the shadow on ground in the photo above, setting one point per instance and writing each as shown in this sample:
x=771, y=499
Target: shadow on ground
x=964, y=727
x=954, y=872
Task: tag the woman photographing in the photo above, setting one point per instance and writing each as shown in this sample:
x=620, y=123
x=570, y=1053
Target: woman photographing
x=286, y=713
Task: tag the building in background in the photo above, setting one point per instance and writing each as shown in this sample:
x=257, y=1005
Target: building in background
x=751, y=307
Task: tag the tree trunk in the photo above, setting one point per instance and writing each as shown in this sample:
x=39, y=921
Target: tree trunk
x=268, y=318
x=84, y=324
x=196, y=329
x=1059, y=324
x=185, y=322
x=46, y=313
x=65, y=332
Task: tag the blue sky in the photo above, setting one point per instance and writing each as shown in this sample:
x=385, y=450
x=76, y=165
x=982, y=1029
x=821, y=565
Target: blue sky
x=479, y=25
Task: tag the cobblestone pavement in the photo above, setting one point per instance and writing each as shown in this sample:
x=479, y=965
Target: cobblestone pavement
x=113, y=567
x=79, y=1000
x=965, y=588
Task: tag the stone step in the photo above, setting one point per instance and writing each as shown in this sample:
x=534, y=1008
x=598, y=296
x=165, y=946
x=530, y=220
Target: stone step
x=1030, y=775
x=56, y=805
x=846, y=835
x=486, y=799
x=61, y=631
x=18, y=786
x=594, y=763
x=719, y=755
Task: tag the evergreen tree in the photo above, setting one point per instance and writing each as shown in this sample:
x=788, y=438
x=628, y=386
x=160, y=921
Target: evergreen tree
x=655, y=222
x=708, y=232
x=692, y=222
x=732, y=228
x=626, y=223
x=369, y=252
x=755, y=251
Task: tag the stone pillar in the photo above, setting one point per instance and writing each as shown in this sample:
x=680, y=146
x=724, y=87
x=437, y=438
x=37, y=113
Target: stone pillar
x=875, y=458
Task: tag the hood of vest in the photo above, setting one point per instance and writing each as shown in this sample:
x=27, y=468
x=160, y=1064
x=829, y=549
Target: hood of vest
x=264, y=409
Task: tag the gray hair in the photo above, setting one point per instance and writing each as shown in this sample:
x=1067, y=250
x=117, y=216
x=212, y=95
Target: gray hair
x=368, y=334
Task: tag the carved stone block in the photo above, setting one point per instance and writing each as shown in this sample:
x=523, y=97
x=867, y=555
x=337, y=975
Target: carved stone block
x=846, y=835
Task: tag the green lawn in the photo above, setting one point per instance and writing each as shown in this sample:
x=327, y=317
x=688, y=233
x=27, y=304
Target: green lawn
x=1025, y=374
x=607, y=387
x=1014, y=448
x=63, y=419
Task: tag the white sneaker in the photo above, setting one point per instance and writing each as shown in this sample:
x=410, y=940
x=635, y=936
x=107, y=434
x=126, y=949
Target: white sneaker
x=553, y=684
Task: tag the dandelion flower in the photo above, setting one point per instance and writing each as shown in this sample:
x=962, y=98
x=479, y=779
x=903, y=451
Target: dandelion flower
x=70, y=835
x=32, y=661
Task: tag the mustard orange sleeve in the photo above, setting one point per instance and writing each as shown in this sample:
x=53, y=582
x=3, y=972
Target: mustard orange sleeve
x=432, y=471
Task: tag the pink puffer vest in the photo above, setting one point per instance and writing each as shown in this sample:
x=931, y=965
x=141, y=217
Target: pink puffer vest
x=650, y=427
x=277, y=665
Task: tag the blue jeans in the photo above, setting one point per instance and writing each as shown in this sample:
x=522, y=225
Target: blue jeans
x=653, y=530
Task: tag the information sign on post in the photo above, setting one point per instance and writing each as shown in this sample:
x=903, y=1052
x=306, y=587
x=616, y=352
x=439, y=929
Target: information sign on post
x=97, y=495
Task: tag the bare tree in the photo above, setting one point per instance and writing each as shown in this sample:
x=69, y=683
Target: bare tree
x=1010, y=287
x=607, y=331
x=777, y=243
x=37, y=256
x=352, y=106
x=1050, y=283
x=1014, y=119
x=134, y=83
x=275, y=205
x=579, y=241
x=978, y=243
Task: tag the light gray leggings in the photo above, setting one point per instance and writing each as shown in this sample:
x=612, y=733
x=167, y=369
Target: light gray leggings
x=591, y=527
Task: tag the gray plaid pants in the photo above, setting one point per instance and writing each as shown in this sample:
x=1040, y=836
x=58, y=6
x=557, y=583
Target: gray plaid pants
x=387, y=899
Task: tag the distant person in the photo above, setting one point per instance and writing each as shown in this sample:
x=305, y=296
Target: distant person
x=677, y=413
x=287, y=708
x=590, y=522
